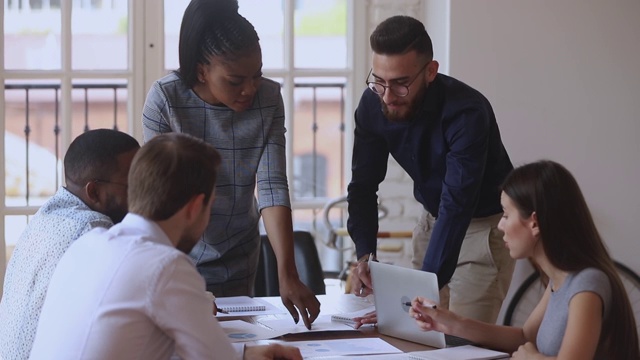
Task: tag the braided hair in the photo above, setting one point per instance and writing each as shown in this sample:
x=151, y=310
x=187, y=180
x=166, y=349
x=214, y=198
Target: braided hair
x=213, y=28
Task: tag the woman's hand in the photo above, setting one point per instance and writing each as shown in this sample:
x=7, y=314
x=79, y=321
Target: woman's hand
x=430, y=317
x=528, y=351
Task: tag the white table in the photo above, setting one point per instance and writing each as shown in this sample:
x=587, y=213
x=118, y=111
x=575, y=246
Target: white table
x=337, y=304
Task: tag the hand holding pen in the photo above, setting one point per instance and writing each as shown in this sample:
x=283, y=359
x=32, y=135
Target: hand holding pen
x=361, y=278
x=216, y=309
x=429, y=316
x=433, y=306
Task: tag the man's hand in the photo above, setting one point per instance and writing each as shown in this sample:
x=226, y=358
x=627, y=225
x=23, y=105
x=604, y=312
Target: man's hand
x=361, y=278
x=297, y=298
x=370, y=318
x=273, y=351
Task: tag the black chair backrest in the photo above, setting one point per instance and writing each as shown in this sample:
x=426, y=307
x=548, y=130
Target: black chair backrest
x=307, y=262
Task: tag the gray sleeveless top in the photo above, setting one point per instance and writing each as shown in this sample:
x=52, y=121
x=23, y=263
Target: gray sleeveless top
x=554, y=322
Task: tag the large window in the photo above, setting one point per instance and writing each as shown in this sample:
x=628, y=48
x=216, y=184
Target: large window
x=73, y=65
x=67, y=68
x=304, y=47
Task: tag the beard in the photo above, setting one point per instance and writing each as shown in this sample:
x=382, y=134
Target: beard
x=115, y=211
x=187, y=241
x=407, y=112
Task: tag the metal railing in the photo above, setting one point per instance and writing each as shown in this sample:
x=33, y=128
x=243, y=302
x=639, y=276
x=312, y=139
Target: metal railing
x=55, y=88
x=312, y=179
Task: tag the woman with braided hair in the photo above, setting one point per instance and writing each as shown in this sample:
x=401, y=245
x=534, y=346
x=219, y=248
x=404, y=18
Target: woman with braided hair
x=219, y=95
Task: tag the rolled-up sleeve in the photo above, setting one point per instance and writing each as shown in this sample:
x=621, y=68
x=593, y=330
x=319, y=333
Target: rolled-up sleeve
x=272, y=184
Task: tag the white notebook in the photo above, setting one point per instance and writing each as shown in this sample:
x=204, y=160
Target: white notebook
x=466, y=352
x=347, y=318
x=233, y=304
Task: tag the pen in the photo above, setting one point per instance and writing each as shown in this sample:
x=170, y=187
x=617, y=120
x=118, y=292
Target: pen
x=368, y=270
x=213, y=299
x=221, y=311
x=408, y=303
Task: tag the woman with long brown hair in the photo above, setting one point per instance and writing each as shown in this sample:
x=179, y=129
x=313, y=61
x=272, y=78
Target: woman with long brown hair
x=585, y=312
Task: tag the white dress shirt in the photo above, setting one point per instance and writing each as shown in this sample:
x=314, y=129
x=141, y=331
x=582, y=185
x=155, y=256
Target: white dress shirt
x=128, y=293
x=59, y=222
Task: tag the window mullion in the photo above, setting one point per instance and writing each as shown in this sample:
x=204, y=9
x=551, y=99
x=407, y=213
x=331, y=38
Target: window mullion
x=66, y=76
x=288, y=82
x=3, y=243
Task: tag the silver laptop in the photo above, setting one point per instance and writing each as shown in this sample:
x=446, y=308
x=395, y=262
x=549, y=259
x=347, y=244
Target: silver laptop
x=393, y=286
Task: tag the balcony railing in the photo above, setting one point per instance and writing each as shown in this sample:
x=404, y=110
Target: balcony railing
x=319, y=161
x=53, y=139
x=34, y=124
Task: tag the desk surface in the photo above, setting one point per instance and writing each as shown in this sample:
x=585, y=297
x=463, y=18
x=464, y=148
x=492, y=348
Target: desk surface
x=343, y=303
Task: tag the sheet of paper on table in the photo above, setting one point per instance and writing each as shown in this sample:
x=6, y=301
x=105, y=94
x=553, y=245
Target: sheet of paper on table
x=322, y=323
x=361, y=346
x=369, y=357
x=241, y=331
x=467, y=352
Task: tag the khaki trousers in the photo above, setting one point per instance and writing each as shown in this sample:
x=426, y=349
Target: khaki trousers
x=483, y=274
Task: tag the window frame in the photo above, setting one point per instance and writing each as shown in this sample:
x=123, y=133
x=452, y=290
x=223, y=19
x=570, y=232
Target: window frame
x=146, y=64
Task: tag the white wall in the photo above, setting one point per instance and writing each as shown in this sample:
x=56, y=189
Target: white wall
x=564, y=80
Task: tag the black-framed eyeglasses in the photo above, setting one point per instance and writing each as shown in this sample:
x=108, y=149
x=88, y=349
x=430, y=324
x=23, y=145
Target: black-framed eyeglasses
x=110, y=182
x=397, y=89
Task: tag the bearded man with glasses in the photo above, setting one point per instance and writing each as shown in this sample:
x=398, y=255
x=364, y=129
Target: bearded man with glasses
x=444, y=135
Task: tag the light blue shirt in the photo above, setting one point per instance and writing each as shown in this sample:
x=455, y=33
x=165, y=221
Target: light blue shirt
x=58, y=223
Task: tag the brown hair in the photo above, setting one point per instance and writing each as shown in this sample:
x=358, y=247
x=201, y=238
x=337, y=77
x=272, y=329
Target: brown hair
x=572, y=243
x=167, y=172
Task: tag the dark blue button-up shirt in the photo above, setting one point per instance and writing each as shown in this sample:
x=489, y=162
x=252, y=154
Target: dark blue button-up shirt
x=452, y=150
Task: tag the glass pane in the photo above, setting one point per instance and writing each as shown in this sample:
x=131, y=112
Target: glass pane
x=99, y=35
x=173, y=11
x=318, y=138
x=31, y=35
x=265, y=15
x=268, y=20
x=305, y=220
x=311, y=220
x=321, y=34
x=99, y=104
x=14, y=226
x=32, y=149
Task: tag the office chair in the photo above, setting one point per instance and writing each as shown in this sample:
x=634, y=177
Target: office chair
x=307, y=262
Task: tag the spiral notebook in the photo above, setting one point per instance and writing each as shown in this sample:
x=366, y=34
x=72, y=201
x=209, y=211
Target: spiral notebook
x=245, y=306
x=240, y=304
x=348, y=318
